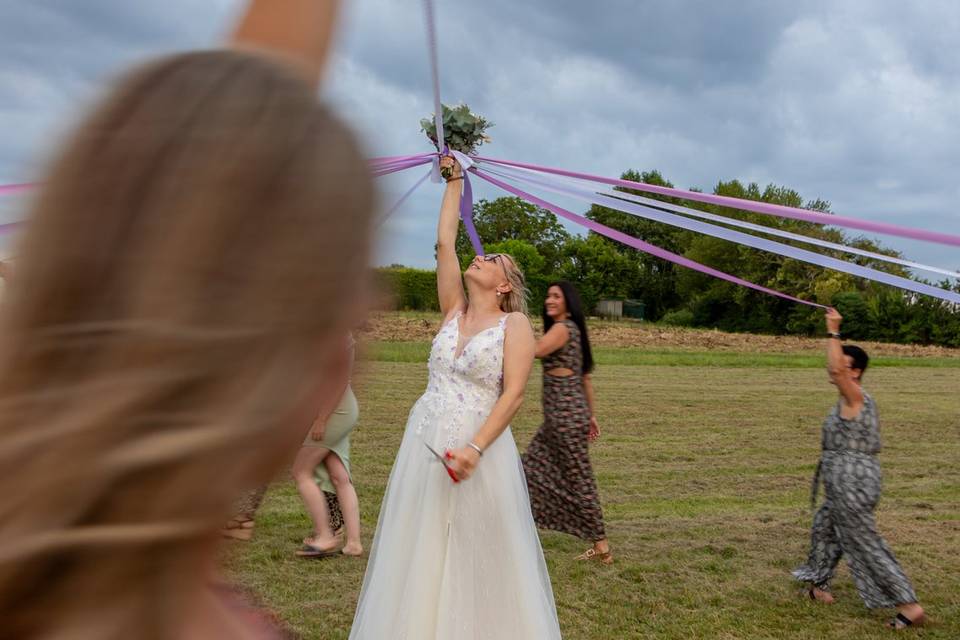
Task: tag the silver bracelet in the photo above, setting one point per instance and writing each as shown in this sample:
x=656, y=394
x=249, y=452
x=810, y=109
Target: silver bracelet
x=475, y=448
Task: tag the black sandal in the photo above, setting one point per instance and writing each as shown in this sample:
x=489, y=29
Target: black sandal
x=902, y=622
x=813, y=596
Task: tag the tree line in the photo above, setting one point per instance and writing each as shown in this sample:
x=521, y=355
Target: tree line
x=603, y=268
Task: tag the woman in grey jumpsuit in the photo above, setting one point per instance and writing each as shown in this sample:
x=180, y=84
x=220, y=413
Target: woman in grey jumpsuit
x=850, y=470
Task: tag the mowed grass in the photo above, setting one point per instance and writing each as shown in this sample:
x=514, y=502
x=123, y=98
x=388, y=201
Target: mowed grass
x=417, y=352
x=704, y=469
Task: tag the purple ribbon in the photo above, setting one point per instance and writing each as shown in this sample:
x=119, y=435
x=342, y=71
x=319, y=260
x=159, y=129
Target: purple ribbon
x=742, y=238
x=466, y=201
x=403, y=199
x=636, y=243
x=466, y=214
x=750, y=205
x=393, y=168
x=434, y=69
x=393, y=159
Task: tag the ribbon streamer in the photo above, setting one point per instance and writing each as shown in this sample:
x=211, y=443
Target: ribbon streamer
x=658, y=204
x=743, y=239
x=750, y=205
x=377, y=172
x=391, y=159
x=435, y=80
x=403, y=198
x=466, y=202
x=636, y=243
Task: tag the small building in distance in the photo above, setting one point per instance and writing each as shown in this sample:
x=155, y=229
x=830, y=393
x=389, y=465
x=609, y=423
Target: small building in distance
x=618, y=309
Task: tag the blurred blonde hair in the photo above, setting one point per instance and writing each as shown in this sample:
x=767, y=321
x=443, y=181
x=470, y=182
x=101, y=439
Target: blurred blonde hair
x=516, y=299
x=190, y=263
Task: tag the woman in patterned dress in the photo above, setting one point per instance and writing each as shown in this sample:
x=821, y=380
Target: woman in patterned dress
x=845, y=524
x=563, y=490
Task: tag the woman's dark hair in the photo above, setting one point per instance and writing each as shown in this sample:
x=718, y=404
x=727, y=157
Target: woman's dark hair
x=860, y=357
x=575, y=309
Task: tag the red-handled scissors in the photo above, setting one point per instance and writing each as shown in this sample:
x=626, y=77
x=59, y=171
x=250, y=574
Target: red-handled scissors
x=450, y=472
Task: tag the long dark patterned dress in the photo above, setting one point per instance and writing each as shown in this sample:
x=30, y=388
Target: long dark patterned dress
x=563, y=491
x=845, y=524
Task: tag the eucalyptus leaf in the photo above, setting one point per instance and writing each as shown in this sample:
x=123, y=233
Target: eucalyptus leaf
x=462, y=130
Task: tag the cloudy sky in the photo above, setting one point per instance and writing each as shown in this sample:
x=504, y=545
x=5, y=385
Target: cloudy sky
x=853, y=101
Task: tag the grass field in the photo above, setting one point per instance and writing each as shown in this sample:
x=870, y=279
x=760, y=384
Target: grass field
x=704, y=469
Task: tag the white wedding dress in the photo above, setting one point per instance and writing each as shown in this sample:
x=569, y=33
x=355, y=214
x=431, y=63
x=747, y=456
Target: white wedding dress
x=460, y=560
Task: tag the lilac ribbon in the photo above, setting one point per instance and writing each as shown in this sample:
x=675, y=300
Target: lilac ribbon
x=435, y=80
x=466, y=202
x=659, y=204
x=750, y=205
x=743, y=238
x=636, y=243
x=466, y=214
x=403, y=199
x=391, y=159
x=377, y=172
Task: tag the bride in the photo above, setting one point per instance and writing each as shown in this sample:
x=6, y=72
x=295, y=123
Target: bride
x=456, y=553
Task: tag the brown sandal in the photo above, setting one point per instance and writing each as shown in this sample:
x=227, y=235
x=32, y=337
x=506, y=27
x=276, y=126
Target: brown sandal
x=592, y=554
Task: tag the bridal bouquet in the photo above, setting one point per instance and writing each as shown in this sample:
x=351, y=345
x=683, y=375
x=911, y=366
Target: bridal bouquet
x=463, y=131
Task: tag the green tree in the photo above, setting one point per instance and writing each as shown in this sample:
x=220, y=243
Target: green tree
x=515, y=219
x=533, y=265
x=598, y=269
x=652, y=280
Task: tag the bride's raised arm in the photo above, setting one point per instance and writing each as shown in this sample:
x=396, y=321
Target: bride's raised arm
x=449, y=278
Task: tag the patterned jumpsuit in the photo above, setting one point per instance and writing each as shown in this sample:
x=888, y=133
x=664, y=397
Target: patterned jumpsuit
x=845, y=524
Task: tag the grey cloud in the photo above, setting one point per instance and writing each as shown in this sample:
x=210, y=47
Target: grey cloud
x=852, y=101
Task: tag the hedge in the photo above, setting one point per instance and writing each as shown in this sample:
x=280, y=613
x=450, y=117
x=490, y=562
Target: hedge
x=409, y=289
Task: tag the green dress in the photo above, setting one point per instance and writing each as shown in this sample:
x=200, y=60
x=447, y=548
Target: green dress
x=336, y=438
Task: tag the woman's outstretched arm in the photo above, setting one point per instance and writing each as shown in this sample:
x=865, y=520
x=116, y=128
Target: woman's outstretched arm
x=449, y=279
x=299, y=30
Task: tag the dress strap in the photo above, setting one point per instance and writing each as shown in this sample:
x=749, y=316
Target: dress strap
x=454, y=317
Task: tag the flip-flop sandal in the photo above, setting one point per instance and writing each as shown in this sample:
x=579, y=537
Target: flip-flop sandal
x=310, y=551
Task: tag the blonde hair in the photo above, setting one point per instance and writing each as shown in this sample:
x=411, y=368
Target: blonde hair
x=180, y=283
x=514, y=300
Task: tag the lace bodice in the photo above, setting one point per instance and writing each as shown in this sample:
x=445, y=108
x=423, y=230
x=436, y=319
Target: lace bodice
x=462, y=388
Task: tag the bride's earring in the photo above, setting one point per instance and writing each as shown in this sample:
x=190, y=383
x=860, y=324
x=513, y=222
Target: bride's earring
x=498, y=294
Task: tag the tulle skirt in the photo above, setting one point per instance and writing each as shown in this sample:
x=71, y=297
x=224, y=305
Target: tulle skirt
x=455, y=560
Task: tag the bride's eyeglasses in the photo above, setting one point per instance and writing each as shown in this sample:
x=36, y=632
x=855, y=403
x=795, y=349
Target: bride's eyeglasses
x=498, y=258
